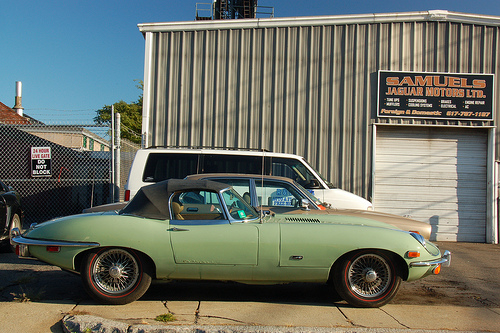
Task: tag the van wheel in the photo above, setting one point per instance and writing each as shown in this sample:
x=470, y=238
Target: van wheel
x=366, y=279
x=115, y=275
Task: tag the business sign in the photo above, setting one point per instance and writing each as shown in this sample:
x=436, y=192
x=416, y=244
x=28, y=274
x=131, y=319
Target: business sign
x=41, y=162
x=435, y=95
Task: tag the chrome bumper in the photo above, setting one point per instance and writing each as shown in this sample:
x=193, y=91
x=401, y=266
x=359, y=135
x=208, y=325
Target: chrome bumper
x=444, y=261
x=23, y=243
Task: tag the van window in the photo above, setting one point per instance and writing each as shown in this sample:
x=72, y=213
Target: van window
x=161, y=166
x=294, y=169
x=216, y=163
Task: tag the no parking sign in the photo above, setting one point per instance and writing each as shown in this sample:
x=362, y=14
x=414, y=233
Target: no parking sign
x=40, y=162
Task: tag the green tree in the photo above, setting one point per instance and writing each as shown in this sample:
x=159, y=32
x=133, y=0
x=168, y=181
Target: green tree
x=131, y=117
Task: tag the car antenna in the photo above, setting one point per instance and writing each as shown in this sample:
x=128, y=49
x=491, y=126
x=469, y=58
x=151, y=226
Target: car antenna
x=262, y=185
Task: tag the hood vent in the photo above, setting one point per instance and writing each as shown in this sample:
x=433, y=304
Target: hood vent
x=301, y=219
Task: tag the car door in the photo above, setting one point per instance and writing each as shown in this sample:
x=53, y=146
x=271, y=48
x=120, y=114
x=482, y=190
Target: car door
x=201, y=233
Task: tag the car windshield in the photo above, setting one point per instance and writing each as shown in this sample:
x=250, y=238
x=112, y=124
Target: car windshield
x=310, y=196
x=238, y=208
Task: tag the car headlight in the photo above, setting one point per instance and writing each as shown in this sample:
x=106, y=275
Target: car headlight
x=419, y=238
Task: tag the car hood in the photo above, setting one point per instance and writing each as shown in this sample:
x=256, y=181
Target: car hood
x=340, y=219
x=399, y=222
x=341, y=199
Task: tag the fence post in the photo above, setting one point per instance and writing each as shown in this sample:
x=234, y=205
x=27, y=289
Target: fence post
x=117, y=156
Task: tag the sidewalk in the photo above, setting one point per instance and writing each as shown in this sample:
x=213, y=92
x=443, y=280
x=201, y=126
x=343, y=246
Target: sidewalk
x=263, y=317
x=243, y=317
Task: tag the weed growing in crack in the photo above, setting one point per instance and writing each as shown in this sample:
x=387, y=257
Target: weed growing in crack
x=167, y=317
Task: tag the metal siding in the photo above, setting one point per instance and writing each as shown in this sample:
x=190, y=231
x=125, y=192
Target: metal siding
x=308, y=90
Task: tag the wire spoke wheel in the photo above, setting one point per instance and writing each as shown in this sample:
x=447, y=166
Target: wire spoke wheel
x=115, y=271
x=116, y=275
x=366, y=278
x=369, y=275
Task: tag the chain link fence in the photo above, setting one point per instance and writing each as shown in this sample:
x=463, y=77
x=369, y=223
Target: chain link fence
x=60, y=170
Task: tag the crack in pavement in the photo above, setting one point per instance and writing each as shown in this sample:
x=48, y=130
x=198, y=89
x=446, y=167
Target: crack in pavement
x=197, y=316
x=400, y=323
x=197, y=313
x=166, y=306
x=347, y=318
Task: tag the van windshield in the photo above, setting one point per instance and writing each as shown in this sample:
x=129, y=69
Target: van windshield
x=330, y=185
x=296, y=170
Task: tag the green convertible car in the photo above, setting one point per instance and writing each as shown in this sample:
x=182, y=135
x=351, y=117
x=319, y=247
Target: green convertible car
x=200, y=229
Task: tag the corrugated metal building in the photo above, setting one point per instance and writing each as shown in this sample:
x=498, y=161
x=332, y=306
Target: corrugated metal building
x=311, y=86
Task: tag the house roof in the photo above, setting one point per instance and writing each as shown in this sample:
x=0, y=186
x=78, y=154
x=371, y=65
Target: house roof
x=9, y=116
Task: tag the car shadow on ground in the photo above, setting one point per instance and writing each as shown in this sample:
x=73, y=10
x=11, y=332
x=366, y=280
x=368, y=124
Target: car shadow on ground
x=295, y=293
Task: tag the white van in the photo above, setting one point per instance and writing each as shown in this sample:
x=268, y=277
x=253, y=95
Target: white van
x=152, y=165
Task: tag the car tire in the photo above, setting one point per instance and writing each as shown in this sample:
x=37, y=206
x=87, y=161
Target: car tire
x=14, y=223
x=115, y=275
x=366, y=279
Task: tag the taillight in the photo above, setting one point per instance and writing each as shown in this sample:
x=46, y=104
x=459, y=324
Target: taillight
x=53, y=248
x=127, y=195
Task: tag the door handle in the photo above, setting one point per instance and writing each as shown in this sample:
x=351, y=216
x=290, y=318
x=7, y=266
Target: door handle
x=178, y=229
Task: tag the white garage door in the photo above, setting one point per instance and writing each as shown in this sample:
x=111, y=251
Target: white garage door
x=435, y=175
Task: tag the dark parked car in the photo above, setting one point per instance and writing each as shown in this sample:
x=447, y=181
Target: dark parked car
x=11, y=214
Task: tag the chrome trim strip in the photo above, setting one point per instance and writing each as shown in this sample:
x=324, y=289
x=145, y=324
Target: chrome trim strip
x=28, y=241
x=445, y=261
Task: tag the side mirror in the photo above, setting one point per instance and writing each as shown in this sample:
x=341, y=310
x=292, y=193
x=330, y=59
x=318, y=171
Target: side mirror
x=314, y=184
x=304, y=204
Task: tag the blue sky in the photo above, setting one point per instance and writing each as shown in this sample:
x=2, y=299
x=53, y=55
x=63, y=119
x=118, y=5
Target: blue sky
x=74, y=57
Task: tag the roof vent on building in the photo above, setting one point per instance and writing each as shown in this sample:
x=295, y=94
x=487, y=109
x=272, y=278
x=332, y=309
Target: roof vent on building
x=19, y=96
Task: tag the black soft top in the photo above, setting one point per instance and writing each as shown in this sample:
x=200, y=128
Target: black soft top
x=152, y=201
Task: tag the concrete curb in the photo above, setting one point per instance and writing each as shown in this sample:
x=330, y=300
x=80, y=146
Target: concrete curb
x=94, y=324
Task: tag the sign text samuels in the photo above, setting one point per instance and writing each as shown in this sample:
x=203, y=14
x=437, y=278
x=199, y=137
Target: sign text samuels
x=435, y=95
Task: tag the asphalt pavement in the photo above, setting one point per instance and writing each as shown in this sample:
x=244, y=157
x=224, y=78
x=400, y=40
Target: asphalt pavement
x=35, y=297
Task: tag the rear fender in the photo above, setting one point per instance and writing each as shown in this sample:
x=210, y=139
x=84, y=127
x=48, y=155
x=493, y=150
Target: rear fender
x=80, y=260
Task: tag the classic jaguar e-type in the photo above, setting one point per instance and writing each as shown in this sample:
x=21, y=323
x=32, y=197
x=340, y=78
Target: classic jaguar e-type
x=200, y=229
